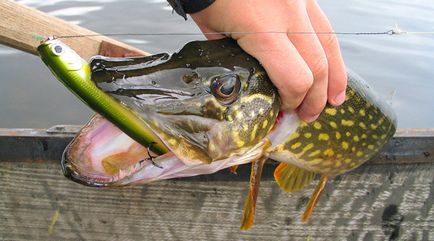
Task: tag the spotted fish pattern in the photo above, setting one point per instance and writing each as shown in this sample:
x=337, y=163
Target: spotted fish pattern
x=342, y=138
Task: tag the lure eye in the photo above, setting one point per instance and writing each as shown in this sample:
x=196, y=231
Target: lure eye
x=226, y=88
x=57, y=49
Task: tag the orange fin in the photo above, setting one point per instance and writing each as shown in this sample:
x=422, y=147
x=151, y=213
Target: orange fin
x=314, y=198
x=291, y=178
x=233, y=169
x=250, y=205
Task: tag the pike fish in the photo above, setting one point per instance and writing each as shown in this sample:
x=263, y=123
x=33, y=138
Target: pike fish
x=208, y=107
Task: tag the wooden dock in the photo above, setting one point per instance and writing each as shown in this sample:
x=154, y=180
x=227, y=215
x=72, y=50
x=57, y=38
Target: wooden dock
x=389, y=198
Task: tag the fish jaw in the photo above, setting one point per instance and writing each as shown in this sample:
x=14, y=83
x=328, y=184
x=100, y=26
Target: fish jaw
x=102, y=155
x=170, y=166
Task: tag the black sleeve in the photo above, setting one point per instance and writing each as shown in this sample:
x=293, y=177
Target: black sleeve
x=182, y=7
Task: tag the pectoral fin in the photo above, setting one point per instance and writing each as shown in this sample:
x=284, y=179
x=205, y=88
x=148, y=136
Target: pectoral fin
x=250, y=205
x=291, y=178
x=314, y=198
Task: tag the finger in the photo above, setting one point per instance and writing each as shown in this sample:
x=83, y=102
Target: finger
x=309, y=47
x=284, y=65
x=337, y=76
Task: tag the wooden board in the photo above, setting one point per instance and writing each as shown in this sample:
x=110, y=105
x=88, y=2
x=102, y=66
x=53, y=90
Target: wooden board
x=393, y=201
x=372, y=203
x=21, y=25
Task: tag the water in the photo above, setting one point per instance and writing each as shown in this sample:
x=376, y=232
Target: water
x=31, y=97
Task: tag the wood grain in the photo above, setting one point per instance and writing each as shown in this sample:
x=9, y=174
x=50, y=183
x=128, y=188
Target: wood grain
x=374, y=202
x=389, y=198
x=19, y=24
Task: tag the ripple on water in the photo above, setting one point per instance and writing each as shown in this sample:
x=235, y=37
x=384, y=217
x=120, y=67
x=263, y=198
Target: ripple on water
x=75, y=11
x=135, y=41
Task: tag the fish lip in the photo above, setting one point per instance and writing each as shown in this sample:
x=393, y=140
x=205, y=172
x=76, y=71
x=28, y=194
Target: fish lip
x=72, y=175
x=163, y=93
x=92, y=181
x=76, y=162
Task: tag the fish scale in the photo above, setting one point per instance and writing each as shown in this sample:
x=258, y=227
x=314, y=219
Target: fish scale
x=342, y=138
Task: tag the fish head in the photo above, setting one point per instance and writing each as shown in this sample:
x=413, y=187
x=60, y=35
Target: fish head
x=211, y=104
x=206, y=102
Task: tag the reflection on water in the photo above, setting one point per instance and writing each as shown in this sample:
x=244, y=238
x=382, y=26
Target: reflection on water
x=31, y=97
x=59, y=3
x=74, y=11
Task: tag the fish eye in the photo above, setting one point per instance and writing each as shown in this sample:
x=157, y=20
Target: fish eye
x=57, y=49
x=226, y=88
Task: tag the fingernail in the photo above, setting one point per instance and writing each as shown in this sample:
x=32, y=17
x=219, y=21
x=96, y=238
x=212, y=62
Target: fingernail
x=310, y=118
x=339, y=99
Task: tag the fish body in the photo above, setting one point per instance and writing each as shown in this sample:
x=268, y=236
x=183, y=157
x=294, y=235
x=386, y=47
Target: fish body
x=342, y=138
x=213, y=106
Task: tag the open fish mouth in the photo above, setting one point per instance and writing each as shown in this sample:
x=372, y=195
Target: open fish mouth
x=102, y=155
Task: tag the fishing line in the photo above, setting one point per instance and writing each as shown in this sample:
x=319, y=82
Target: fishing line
x=394, y=31
x=390, y=32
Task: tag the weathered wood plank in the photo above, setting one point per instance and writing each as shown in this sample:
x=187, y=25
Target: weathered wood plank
x=409, y=146
x=19, y=24
x=381, y=202
x=374, y=202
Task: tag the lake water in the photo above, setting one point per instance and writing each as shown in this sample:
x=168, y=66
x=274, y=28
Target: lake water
x=398, y=67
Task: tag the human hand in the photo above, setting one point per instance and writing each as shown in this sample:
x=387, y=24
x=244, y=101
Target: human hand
x=307, y=69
